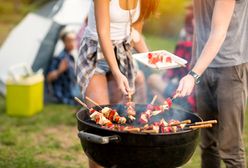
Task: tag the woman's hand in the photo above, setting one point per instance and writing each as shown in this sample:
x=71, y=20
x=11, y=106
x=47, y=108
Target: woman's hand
x=186, y=86
x=122, y=83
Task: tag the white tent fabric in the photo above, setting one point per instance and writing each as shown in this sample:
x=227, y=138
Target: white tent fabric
x=36, y=35
x=71, y=12
x=21, y=47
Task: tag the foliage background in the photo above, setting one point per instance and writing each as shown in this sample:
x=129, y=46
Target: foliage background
x=169, y=20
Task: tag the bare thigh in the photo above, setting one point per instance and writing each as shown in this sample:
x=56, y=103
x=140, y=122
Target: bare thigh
x=97, y=90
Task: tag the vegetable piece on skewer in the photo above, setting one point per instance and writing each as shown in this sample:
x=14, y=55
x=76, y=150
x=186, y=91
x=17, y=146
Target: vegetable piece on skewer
x=96, y=115
x=109, y=113
x=130, y=108
x=100, y=119
x=144, y=117
x=112, y=115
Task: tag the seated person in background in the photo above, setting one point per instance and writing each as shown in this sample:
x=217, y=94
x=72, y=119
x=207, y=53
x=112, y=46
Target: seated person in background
x=60, y=76
x=165, y=86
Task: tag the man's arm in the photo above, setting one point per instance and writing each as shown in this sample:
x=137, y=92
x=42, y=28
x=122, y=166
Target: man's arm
x=54, y=73
x=221, y=18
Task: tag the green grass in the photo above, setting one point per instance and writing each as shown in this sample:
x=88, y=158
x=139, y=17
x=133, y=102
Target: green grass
x=47, y=140
x=158, y=43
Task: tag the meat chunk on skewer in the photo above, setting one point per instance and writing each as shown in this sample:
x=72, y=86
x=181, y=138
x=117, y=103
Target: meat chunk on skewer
x=113, y=116
x=99, y=118
x=130, y=108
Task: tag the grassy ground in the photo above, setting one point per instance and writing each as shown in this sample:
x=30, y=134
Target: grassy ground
x=47, y=140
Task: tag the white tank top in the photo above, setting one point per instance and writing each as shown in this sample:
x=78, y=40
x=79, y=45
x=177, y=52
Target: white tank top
x=119, y=21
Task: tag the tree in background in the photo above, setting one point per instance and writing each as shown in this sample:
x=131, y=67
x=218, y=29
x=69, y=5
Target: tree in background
x=170, y=20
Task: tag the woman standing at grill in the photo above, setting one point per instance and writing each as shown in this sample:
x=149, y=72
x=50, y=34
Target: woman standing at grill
x=105, y=69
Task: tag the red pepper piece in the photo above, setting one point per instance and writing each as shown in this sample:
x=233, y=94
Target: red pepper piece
x=156, y=123
x=162, y=129
x=156, y=108
x=153, y=60
x=117, y=118
x=97, y=119
x=168, y=59
x=169, y=102
x=111, y=115
x=92, y=111
x=149, y=55
x=168, y=129
x=109, y=125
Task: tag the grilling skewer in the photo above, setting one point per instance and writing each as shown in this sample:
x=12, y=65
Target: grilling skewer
x=81, y=103
x=92, y=101
x=147, y=114
x=202, y=123
x=206, y=122
x=166, y=105
x=130, y=108
x=164, y=127
x=198, y=126
x=95, y=115
x=109, y=113
x=182, y=126
x=179, y=123
x=189, y=124
x=180, y=64
x=132, y=129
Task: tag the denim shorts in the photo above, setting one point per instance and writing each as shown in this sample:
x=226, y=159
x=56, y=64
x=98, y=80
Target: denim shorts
x=102, y=67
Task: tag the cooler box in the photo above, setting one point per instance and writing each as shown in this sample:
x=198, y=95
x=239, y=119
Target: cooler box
x=24, y=97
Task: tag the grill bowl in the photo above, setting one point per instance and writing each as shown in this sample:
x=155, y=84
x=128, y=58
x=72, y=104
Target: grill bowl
x=119, y=149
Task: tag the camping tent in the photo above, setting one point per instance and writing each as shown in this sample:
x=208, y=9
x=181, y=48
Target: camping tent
x=33, y=40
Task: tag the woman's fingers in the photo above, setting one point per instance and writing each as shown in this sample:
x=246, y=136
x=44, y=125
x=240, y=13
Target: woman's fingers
x=123, y=90
x=123, y=85
x=126, y=84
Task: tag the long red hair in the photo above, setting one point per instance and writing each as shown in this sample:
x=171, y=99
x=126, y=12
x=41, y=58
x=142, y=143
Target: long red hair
x=148, y=8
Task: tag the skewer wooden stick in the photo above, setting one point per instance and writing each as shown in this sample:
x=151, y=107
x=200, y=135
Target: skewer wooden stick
x=175, y=96
x=182, y=122
x=92, y=101
x=201, y=126
x=132, y=129
x=206, y=122
x=150, y=131
x=81, y=103
x=182, y=65
x=129, y=97
x=154, y=99
x=202, y=123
